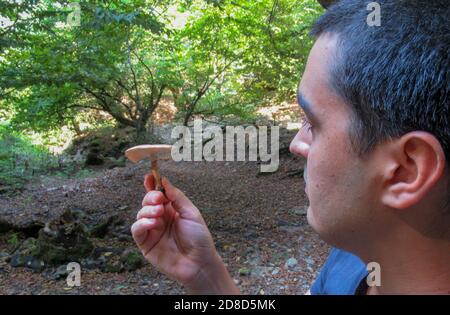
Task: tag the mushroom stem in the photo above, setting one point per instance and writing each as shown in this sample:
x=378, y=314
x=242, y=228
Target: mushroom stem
x=156, y=176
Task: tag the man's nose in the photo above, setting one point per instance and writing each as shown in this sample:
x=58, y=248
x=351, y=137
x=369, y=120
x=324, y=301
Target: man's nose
x=299, y=146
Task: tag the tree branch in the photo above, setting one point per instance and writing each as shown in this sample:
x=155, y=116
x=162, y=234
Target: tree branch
x=136, y=88
x=118, y=100
x=105, y=106
x=83, y=106
x=127, y=90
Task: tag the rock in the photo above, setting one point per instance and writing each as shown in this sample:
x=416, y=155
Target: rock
x=101, y=229
x=5, y=257
x=302, y=210
x=276, y=271
x=61, y=272
x=99, y=252
x=18, y=260
x=310, y=261
x=132, y=259
x=114, y=266
x=291, y=263
x=90, y=263
x=24, y=260
x=35, y=264
x=109, y=259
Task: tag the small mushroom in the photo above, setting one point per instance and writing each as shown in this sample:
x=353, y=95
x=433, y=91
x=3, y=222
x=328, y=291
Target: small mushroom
x=154, y=152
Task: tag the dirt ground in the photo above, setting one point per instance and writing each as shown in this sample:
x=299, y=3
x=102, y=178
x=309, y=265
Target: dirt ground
x=258, y=223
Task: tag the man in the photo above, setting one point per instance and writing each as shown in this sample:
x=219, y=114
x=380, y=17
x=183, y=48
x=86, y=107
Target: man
x=377, y=142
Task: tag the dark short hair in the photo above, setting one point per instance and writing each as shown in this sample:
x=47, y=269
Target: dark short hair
x=395, y=77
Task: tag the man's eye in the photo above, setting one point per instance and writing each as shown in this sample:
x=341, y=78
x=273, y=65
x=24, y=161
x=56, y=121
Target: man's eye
x=307, y=124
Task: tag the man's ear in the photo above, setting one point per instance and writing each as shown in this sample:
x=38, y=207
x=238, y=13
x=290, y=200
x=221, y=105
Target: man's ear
x=415, y=163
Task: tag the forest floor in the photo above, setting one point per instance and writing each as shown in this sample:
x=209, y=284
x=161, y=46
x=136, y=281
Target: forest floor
x=258, y=222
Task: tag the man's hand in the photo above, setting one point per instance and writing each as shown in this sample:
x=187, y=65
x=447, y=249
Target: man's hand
x=173, y=237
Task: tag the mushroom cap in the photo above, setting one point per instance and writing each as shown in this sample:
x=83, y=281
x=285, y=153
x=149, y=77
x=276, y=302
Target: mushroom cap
x=150, y=151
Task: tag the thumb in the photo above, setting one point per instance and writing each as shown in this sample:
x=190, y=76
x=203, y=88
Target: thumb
x=180, y=202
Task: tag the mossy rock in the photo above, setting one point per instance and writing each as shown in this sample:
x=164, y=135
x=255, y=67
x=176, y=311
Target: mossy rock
x=26, y=256
x=28, y=247
x=33, y=263
x=132, y=260
x=114, y=266
x=101, y=229
x=66, y=243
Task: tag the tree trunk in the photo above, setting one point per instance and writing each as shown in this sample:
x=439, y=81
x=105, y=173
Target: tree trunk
x=141, y=130
x=187, y=117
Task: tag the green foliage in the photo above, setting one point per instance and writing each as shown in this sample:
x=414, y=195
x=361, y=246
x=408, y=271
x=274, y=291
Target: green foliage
x=54, y=73
x=250, y=52
x=14, y=240
x=21, y=159
x=231, y=57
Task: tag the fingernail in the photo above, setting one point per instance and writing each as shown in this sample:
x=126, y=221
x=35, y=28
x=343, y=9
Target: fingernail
x=150, y=221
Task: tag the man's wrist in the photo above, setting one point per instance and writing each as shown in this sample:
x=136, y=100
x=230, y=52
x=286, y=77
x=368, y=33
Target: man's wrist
x=213, y=278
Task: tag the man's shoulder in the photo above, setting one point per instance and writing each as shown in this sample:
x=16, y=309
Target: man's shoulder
x=342, y=273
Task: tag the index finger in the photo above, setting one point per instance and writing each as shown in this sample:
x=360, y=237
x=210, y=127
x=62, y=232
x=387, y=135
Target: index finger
x=153, y=198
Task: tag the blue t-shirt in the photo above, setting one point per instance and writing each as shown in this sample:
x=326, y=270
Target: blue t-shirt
x=342, y=273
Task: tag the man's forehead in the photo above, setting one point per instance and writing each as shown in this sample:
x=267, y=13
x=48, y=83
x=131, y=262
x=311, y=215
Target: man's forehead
x=314, y=87
x=319, y=62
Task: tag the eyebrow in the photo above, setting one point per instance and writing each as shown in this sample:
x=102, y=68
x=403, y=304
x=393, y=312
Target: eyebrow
x=305, y=105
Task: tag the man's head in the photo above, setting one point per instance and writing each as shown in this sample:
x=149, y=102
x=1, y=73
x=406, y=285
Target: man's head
x=377, y=98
